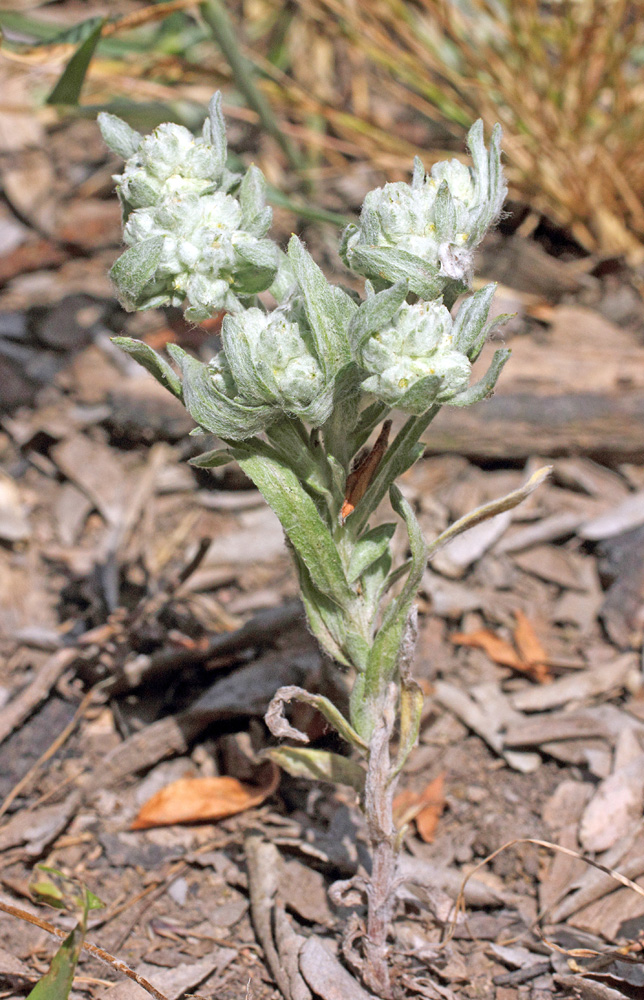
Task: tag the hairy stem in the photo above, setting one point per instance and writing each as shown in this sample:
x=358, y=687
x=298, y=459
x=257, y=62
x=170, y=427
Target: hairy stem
x=381, y=891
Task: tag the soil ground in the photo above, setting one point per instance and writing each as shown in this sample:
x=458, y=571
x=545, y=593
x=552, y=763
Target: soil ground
x=148, y=611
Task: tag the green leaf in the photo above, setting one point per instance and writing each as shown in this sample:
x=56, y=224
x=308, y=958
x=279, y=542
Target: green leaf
x=152, y=362
x=212, y=459
x=385, y=652
x=57, y=982
x=470, y=320
x=256, y=217
x=444, y=212
x=319, y=765
x=420, y=396
x=484, y=387
x=325, y=618
x=301, y=521
x=211, y=409
x=398, y=265
x=375, y=581
x=370, y=547
x=375, y=312
x=135, y=268
x=326, y=310
x=217, y=129
x=118, y=135
x=256, y=266
x=488, y=510
x=70, y=84
x=289, y=438
x=63, y=892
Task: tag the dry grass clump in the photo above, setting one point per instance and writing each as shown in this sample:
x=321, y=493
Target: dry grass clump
x=565, y=79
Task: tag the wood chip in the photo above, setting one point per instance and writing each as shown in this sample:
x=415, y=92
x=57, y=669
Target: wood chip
x=555, y=565
x=628, y=514
x=326, y=977
x=19, y=708
x=615, y=808
x=14, y=525
x=485, y=722
x=576, y=687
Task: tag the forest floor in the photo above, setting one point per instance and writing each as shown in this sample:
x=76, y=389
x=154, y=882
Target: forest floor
x=148, y=612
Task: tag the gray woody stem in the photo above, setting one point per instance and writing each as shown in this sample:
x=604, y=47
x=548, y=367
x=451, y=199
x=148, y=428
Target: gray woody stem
x=379, y=791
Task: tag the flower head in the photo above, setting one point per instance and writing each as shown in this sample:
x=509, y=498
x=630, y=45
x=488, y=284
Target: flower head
x=412, y=362
x=272, y=360
x=190, y=238
x=427, y=230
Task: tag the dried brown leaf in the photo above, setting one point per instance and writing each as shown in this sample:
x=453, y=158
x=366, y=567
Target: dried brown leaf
x=193, y=800
x=530, y=649
x=496, y=648
x=425, y=808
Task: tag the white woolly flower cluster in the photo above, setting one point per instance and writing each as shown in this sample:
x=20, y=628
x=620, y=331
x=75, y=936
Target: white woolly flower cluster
x=416, y=347
x=426, y=231
x=190, y=238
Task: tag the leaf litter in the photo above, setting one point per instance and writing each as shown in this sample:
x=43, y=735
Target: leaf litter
x=168, y=591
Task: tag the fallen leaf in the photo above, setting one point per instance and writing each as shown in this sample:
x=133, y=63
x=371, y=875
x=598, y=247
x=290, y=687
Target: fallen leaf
x=530, y=649
x=496, y=648
x=425, y=808
x=193, y=800
x=529, y=657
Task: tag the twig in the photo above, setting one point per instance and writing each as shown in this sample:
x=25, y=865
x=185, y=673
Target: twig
x=49, y=753
x=265, y=625
x=103, y=956
x=15, y=713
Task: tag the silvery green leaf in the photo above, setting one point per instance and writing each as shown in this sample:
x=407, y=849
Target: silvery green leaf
x=319, y=765
x=290, y=439
x=484, y=387
x=212, y=459
x=217, y=129
x=398, y=265
x=211, y=409
x=284, y=286
x=357, y=648
x=153, y=362
x=375, y=313
x=420, y=396
x=468, y=330
x=255, y=266
x=326, y=311
x=301, y=520
x=370, y=547
x=256, y=215
x=478, y=152
x=444, y=213
x=374, y=582
x=418, y=176
x=326, y=620
x=318, y=411
x=117, y=134
x=385, y=651
x=488, y=510
x=135, y=268
x=487, y=332
x=363, y=711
